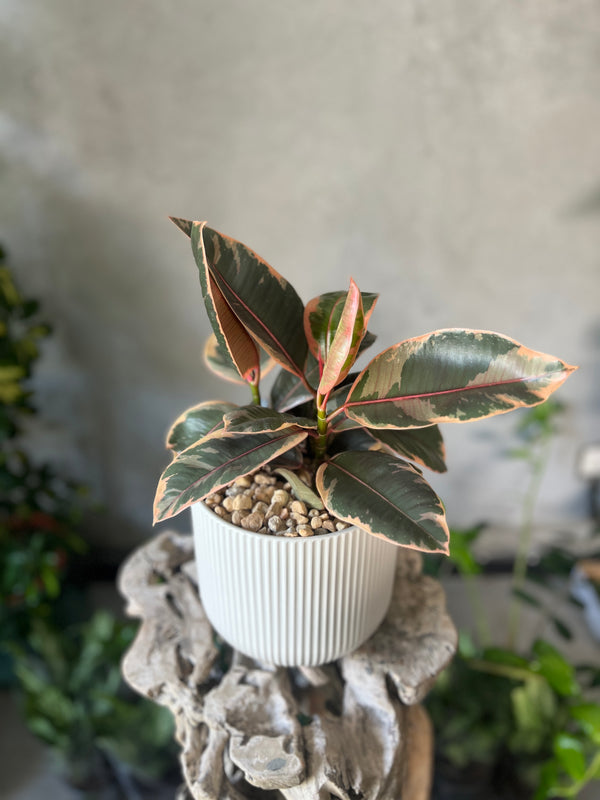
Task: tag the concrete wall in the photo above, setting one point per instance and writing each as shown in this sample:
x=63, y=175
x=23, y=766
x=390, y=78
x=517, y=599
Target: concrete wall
x=444, y=154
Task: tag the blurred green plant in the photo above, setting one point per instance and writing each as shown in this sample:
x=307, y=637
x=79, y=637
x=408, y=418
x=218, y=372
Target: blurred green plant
x=68, y=676
x=525, y=717
x=40, y=512
x=74, y=700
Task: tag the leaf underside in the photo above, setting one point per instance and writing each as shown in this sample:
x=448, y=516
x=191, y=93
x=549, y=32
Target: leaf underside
x=218, y=360
x=263, y=301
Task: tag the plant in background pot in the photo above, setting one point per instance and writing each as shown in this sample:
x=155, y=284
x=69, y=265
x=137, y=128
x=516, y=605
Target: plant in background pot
x=304, y=583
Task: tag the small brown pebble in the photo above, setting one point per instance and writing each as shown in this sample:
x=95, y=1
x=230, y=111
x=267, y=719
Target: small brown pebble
x=253, y=522
x=264, y=530
x=305, y=531
x=328, y=525
x=228, y=503
x=299, y=507
x=285, y=512
x=300, y=518
x=261, y=496
x=340, y=526
x=238, y=515
x=262, y=477
x=242, y=501
x=313, y=512
x=280, y=496
x=287, y=486
x=219, y=511
x=316, y=523
x=276, y=524
x=233, y=491
x=214, y=499
x=273, y=510
x=290, y=534
x=244, y=482
x=260, y=507
x=324, y=515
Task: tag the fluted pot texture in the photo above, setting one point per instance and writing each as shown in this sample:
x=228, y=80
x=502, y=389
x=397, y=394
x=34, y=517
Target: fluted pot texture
x=292, y=601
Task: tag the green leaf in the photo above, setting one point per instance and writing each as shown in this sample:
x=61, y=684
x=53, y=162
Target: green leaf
x=196, y=423
x=261, y=299
x=343, y=350
x=548, y=782
x=257, y=419
x=423, y=445
x=588, y=716
x=290, y=391
x=534, y=709
x=461, y=554
x=569, y=752
x=451, y=375
x=386, y=497
x=352, y=439
x=213, y=463
x=556, y=669
x=300, y=490
x=322, y=316
x=218, y=360
x=498, y=655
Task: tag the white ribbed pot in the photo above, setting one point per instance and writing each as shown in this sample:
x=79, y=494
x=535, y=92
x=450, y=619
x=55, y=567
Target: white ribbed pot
x=292, y=601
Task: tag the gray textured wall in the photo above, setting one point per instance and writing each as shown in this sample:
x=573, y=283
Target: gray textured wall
x=444, y=154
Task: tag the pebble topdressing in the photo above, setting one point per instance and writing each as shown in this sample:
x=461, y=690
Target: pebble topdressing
x=264, y=503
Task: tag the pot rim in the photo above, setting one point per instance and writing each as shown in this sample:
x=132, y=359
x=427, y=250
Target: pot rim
x=293, y=540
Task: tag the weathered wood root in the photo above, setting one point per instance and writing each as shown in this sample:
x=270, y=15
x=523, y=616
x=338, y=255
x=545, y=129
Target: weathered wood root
x=248, y=730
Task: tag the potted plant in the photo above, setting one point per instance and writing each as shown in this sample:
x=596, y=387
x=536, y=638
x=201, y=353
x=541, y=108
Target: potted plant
x=306, y=592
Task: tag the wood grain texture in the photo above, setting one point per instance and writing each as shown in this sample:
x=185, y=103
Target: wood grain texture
x=351, y=729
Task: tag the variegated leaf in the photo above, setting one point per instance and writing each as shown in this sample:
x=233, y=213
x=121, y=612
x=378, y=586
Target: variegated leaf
x=196, y=423
x=343, y=350
x=322, y=316
x=257, y=419
x=218, y=360
x=452, y=375
x=184, y=225
x=289, y=391
x=356, y=438
x=264, y=302
x=385, y=496
x=423, y=445
x=211, y=464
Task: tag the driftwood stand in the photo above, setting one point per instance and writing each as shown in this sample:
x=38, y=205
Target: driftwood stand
x=352, y=729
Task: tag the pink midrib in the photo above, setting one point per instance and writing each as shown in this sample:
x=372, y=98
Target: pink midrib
x=403, y=397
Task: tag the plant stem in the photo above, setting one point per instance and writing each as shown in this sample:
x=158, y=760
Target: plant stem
x=321, y=443
x=255, y=394
x=519, y=573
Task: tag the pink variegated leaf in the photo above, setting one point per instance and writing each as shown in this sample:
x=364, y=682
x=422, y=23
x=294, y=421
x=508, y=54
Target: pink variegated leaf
x=322, y=316
x=346, y=341
x=386, y=497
